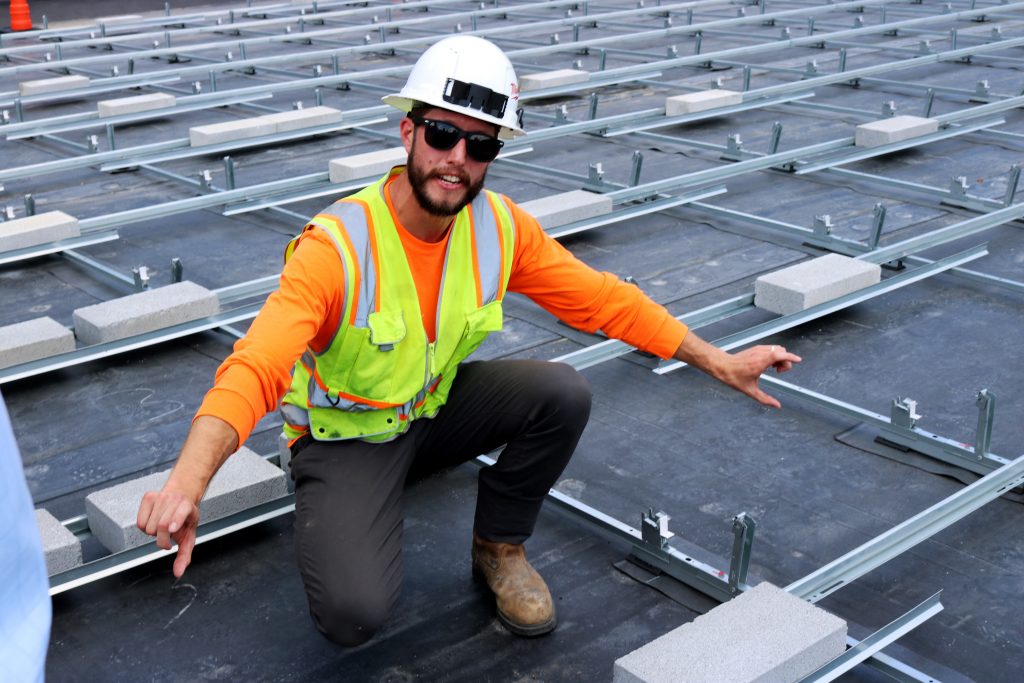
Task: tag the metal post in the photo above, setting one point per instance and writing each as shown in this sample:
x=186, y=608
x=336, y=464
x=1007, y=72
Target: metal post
x=986, y=403
x=229, y=173
x=876, y=226
x=743, y=527
x=1011, y=185
x=775, y=138
x=634, y=174
x=30, y=205
x=176, y=270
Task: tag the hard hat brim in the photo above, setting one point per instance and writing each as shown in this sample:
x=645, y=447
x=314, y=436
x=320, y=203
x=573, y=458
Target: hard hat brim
x=405, y=104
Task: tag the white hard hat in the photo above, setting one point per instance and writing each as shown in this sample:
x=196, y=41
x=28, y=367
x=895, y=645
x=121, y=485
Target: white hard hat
x=469, y=75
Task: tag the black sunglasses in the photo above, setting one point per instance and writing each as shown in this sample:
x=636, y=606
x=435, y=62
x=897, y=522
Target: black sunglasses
x=442, y=135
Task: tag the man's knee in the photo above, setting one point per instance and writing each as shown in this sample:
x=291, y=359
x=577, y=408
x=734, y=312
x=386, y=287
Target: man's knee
x=350, y=619
x=566, y=391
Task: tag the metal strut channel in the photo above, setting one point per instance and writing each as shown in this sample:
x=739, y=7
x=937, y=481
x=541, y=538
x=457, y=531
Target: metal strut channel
x=89, y=353
x=786, y=322
x=875, y=642
x=62, y=124
x=977, y=459
x=55, y=247
x=613, y=348
x=123, y=561
x=902, y=537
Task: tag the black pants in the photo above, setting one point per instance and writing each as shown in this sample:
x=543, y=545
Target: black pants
x=348, y=494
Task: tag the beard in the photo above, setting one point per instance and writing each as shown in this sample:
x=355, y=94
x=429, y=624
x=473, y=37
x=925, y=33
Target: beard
x=418, y=179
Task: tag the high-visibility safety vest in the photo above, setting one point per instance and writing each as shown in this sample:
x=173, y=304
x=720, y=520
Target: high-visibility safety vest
x=379, y=372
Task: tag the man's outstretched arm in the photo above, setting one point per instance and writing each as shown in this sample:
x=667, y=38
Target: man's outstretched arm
x=738, y=370
x=172, y=514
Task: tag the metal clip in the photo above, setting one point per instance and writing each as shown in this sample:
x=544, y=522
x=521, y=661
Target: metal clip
x=654, y=529
x=904, y=413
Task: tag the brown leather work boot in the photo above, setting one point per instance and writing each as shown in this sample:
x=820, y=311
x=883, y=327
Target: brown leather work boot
x=524, y=602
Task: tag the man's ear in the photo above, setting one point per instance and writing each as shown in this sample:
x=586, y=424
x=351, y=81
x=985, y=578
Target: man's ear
x=407, y=129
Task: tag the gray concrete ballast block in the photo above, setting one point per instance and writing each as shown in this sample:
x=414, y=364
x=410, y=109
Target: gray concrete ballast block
x=133, y=105
x=764, y=635
x=119, y=19
x=42, y=228
x=894, y=129
x=258, y=126
x=303, y=118
x=568, y=207
x=366, y=165
x=48, y=85
x=693, y=102
x=144, y=312
x=552, y=79
x=810, y=283
x=33, y=339
x=245, y=480
x=60, y=547
x=229, y=131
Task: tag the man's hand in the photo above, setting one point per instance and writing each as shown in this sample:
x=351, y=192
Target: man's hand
x=170, y=516
x=172, y=513
x=747, y=366
x=740, y=371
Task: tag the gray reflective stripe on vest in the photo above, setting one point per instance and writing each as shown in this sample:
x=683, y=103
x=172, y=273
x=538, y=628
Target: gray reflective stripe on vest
x=353, y=220
x=321, y=399
x=294, y=415
x=488, y=247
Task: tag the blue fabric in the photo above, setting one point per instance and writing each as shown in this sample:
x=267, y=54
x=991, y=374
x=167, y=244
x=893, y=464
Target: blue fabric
x=25, y=609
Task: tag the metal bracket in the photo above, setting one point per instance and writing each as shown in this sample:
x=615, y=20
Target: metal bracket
x=141, y=275
x=823, y=225
x=595, y=178
x=903, y=432
x=733, y=147
x=958, y=187
x=654, y=529
x=206, y=180
x=982, y=91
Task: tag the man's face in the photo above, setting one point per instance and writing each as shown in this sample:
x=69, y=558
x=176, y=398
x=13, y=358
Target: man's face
x=444, y=181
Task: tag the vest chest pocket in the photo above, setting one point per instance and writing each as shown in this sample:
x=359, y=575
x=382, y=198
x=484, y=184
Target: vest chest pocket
x=384, y=369
x=387, y=328
x=479, y=323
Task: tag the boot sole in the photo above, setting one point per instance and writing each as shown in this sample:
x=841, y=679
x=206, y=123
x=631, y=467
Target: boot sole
x=531, y=631
x=514, y=627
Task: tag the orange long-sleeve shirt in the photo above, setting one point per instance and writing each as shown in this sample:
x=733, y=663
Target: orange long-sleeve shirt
x=308, y=304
